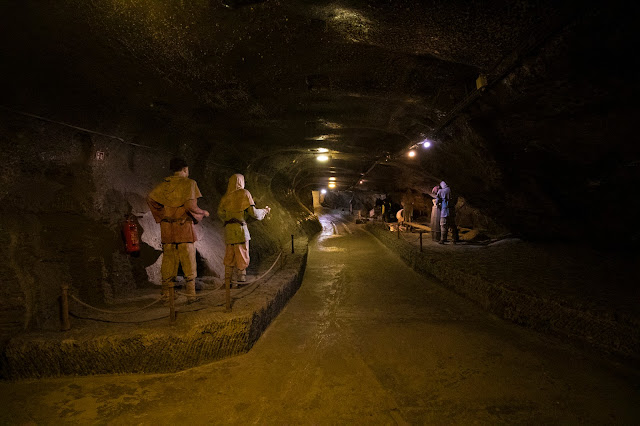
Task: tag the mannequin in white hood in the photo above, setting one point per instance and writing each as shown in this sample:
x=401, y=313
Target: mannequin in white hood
x=235, y=208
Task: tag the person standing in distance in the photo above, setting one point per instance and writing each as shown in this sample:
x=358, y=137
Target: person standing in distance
x=174, y=205
x=435, y=215
x=447, y=213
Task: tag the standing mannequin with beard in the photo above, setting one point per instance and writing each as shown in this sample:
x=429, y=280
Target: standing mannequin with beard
x=235, y=208
x=447, y=213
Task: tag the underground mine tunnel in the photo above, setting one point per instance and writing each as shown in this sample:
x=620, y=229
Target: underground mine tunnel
x=338, y=114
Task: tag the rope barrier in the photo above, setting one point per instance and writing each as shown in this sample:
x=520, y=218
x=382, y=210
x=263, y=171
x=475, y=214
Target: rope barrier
x=202, y=294
x=119, y=322
x=6, y=108
x=269, y=270
x=248, y=284
x=142, y=320
x=105, y=311
x=251, y=286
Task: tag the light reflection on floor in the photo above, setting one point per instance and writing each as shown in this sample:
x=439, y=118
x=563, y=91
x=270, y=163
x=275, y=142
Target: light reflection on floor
x=333, y=226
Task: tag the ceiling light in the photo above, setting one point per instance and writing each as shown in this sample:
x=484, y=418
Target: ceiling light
x=412, y=153
x=322, y=158
x=322, y=150
x=323, y=191
x=332, y=178
x=426, y=144
x=332, y=185
x=361, y=182
x=323, y=137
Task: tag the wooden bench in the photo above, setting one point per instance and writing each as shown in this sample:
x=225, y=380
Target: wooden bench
x=418, y=226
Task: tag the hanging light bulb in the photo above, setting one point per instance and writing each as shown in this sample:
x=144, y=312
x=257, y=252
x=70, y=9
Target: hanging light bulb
x=322, y=158
x=412, y=153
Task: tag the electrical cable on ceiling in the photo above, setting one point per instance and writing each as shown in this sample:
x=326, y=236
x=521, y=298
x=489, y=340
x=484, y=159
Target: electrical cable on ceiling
x=499, y=71
x=75, y=127
x=119, y=139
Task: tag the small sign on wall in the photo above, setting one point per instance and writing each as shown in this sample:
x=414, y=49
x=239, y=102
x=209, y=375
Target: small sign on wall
x=100, y=155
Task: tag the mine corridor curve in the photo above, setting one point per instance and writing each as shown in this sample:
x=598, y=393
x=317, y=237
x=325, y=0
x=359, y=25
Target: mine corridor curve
x=365, y=340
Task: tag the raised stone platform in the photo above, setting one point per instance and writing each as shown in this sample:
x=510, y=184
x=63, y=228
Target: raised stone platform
x=571, y=292
x=148, y=342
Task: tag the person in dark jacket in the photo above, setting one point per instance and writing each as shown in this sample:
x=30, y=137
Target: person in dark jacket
x=447, y=213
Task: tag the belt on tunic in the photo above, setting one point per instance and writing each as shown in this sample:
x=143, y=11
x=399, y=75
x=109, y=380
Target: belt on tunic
x=180, y=221
x=234, y=220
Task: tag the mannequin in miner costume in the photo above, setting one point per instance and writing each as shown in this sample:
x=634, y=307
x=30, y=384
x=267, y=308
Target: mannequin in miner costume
x=174, y=205
x=235, y=208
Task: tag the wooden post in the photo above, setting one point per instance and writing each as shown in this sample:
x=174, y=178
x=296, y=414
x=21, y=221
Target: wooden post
x=292, y=248
x=227, y=293
x=64, y=301
x=172, y=303
x=420, y=241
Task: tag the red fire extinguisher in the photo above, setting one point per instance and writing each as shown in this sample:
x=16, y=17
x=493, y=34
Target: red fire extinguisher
x=131, y=235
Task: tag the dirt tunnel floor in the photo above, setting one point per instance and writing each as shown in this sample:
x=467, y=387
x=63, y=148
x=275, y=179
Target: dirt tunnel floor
x=365, y=340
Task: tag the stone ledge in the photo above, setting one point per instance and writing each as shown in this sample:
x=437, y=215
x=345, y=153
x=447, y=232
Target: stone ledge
x=156, y=346
x=605, y=331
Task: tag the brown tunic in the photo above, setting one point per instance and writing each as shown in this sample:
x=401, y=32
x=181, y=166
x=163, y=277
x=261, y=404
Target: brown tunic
x=174, y=206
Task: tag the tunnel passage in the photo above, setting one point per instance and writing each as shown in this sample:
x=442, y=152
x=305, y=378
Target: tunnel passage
x=364, y=340
x=527, y=110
